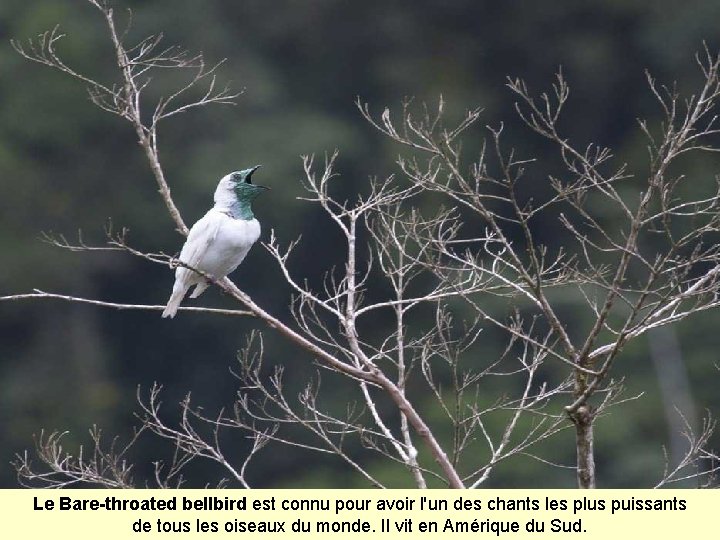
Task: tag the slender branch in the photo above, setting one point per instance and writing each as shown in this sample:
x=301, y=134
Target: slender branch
x=38, y=294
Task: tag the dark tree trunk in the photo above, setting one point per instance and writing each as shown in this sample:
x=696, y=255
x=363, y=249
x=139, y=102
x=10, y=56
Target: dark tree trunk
x=583, y=419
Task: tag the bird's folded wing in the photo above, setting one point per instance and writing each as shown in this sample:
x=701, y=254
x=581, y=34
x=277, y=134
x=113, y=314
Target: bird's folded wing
x=200, y=238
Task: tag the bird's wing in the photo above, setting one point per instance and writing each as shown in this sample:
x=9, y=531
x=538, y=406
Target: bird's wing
x=200, y=238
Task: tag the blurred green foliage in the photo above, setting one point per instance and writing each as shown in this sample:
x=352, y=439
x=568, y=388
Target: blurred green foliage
x=65, y=165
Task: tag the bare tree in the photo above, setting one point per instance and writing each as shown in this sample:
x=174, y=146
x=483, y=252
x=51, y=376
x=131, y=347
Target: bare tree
x=653, y=264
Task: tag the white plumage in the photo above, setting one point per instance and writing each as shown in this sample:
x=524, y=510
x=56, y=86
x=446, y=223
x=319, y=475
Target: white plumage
x=220, y=240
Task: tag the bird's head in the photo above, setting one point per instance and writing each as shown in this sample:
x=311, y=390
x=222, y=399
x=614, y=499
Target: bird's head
x=238, y=186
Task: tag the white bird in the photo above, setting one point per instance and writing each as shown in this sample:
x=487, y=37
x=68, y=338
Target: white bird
x=220, y=240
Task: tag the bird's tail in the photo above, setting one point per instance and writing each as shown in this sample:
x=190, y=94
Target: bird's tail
x=174, y=302
x=199, y=289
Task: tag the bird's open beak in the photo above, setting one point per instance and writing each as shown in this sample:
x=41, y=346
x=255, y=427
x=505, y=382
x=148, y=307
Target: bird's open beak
x=247, y=178
x=252, y=170
x=250, y=173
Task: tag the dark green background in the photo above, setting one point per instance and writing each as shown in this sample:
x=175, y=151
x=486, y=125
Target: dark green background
x=66, y=165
